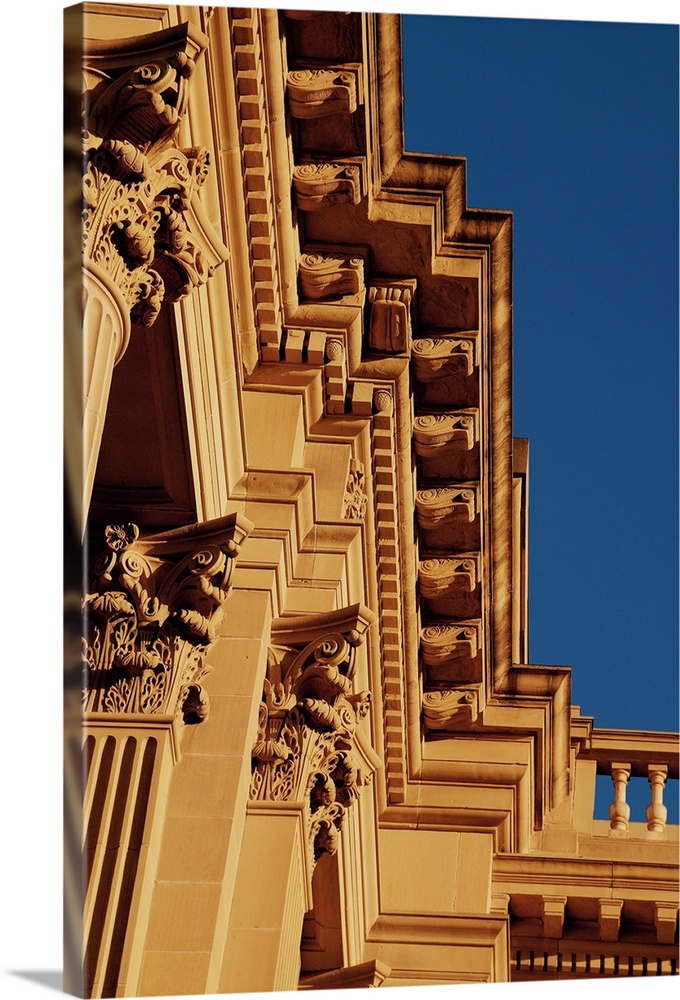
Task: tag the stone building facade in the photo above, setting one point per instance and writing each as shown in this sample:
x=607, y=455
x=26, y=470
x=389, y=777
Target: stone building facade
x=315, y=752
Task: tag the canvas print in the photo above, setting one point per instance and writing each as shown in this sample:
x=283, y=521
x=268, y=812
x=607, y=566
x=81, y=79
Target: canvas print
x=307, y=743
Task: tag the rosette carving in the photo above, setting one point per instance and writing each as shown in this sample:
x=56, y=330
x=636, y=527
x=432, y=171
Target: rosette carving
x=138, y=185
x=321, y=185
x=355, y=501
x=439, y=577
x=315, y=93
x=390, y=320
x=325, y=276
x=440, y=644
x=435, y=358
x=437, y=506
x=309, y=745
x=450, y=709
x=151, y=611
x=438, y=434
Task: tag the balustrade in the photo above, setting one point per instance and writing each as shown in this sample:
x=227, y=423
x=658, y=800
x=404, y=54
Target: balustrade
x=625, y=755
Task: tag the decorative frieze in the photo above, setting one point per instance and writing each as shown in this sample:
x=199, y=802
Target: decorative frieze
x=138, y=225
x=437, y=435
x=322, y=185
x=309, y=747
x=316, y=93
x=441, y=577
x=355, y=499
x=447, y=504
x=389, y=327
x=437, y=358
x=450, y=709
x=327, y=276
x=151, y=611
x=441, y=644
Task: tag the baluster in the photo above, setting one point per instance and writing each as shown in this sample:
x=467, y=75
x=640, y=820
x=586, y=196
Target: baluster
x=619, y=810
x=656, y=810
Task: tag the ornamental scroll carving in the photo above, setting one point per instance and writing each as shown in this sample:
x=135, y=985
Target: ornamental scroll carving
x=310, y=746
x=441, y=644
x=139, y=224
x=450, y=709
x=445, y=504
x=438, y=577
x=151, y=611
x=439, y=434
x=321, y=185
x=435, y=358
x=316, y=93
x=325, y=276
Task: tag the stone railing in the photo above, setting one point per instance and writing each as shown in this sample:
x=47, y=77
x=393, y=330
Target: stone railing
x=626, y=754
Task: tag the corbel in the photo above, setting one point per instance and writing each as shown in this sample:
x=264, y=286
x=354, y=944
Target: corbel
x=438, y=357
x=450, y=710
x=322, y=185
x=441, y=577
x=389, y=325
x=316, y=92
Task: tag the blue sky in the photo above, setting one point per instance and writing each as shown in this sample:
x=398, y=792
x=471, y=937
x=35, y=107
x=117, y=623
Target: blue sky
x=574, y=127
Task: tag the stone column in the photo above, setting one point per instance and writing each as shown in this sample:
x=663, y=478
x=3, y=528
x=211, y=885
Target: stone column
x=152, y=610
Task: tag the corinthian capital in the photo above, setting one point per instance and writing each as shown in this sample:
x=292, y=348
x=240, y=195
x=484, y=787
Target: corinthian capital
x=143, y=233
x=151, y=612
x=310, y=746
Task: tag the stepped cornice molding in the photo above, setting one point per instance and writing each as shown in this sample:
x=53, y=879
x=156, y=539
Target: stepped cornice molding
x=152, y=609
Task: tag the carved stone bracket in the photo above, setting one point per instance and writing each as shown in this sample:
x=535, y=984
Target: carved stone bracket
x=316, y=93
x=151, y=611
x=141, y=226
x=390, y=316
x=310, y=745
x=443, y=643
x=447, y=504
x=438, y=577
x=327, y=276
x=321, y=185
x=435, y=358
x=439, y=434
x=450, y=710
x=355, y=500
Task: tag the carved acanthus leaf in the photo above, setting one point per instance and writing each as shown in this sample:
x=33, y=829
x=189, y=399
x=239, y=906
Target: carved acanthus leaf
x=138, y=186
x=355, y=500
x=308, y=747
x=151, y=610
